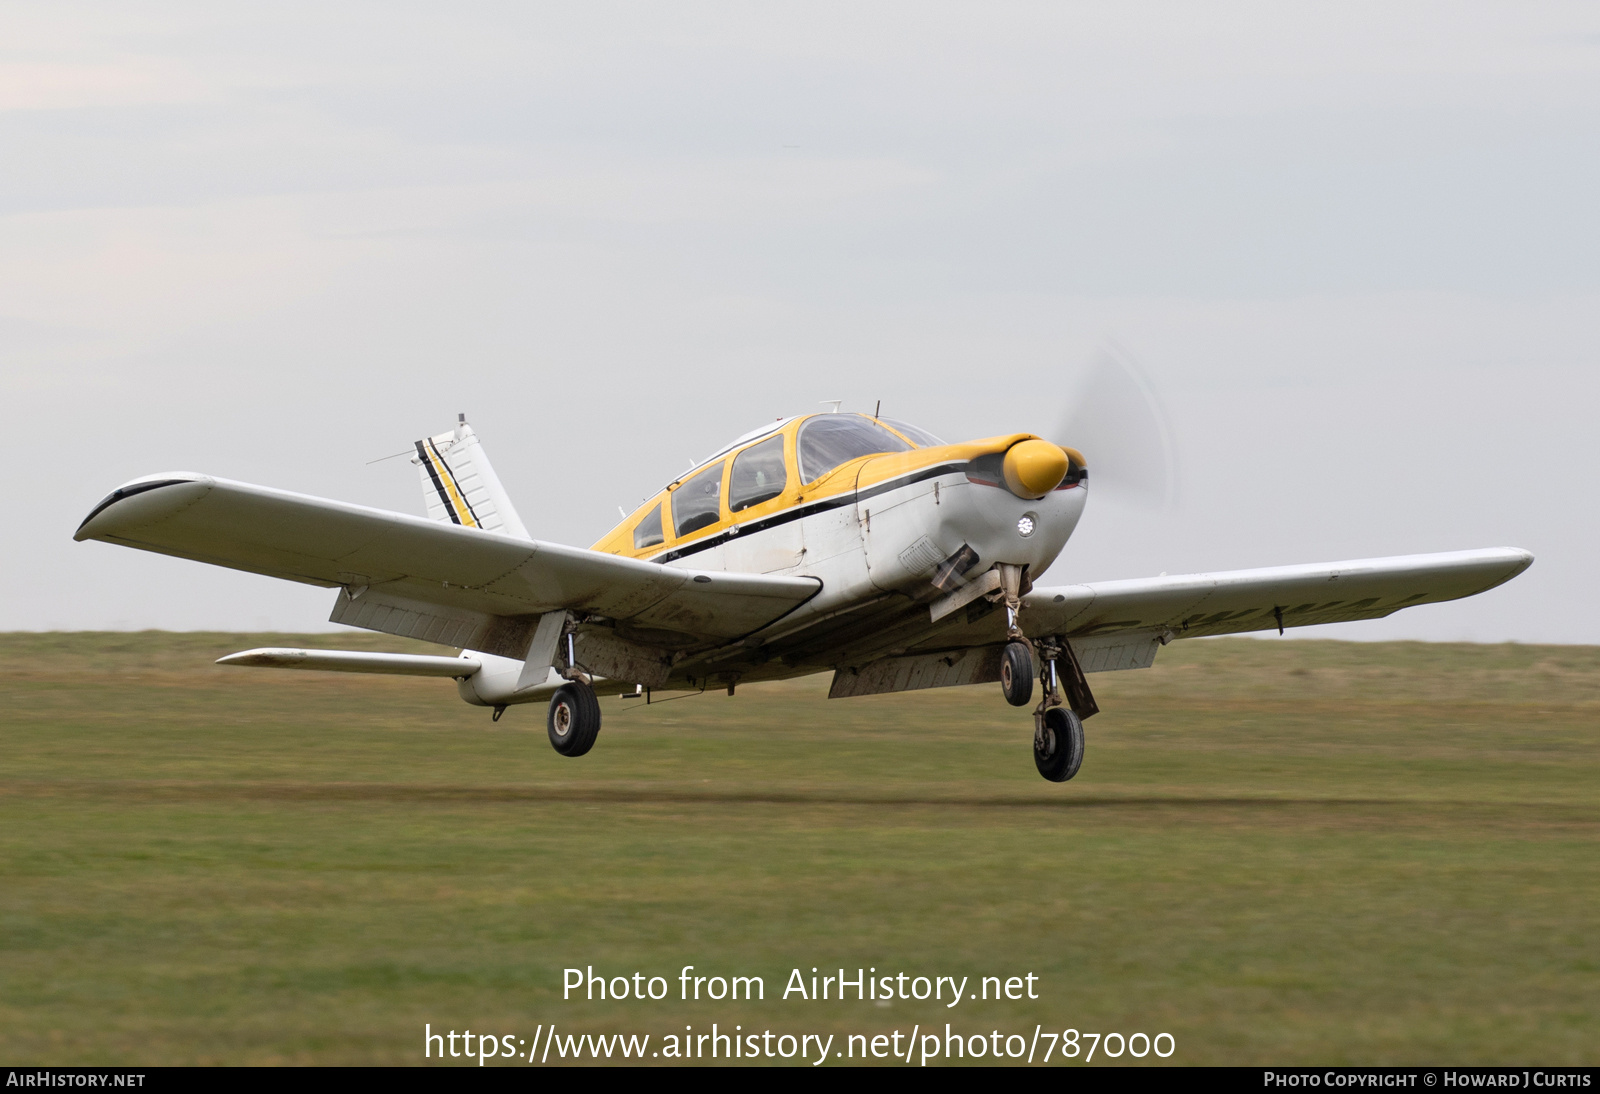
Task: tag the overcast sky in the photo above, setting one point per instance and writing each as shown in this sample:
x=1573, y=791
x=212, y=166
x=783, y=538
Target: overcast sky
x=1355, y=247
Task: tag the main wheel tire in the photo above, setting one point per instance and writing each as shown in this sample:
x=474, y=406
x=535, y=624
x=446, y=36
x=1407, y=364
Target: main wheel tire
x=1016, y=674
x=1058, y=745
x=574, y=720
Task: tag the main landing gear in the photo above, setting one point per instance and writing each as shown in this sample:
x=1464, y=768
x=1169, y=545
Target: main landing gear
x=574, y=720
x=1058, y=724
x=1058, y=744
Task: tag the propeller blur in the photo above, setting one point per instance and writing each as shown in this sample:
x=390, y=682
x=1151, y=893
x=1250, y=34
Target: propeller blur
x=1116, y=416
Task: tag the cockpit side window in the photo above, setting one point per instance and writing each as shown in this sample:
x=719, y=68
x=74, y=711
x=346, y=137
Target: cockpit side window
x=829, y=440
x=758, y=474
x=647, y=533
x=698, y=502
x=916, y=435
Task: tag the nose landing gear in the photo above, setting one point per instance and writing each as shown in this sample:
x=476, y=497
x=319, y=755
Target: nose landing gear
x=1016, y=673
x=1016, y=662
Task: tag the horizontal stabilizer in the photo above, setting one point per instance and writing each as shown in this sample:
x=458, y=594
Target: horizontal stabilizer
x=390, y=664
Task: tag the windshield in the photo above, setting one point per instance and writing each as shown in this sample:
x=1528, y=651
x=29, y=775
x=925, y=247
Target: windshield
x=829, y=440
x=919, y=437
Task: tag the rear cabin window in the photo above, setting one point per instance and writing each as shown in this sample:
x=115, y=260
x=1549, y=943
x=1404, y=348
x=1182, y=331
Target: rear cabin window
x=647, y=533
x=758, y=474
x=698, y=502
x=829, y=440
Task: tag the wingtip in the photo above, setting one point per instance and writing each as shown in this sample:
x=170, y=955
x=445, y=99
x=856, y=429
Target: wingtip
x=141, y=485
x=1524, y=557
x=248, y=657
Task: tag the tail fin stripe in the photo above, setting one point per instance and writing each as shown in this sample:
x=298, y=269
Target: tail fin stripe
x=459, y=485
x=433, y=473
x=459, y=496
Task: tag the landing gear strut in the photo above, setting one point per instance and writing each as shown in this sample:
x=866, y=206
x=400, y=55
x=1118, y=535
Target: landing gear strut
x=574, y=720
x=1057, y=727
x=1016, y=662
x=1057, y=724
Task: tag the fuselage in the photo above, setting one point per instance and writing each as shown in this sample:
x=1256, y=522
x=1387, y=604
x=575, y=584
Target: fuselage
x=873, y=510
x=871, y=524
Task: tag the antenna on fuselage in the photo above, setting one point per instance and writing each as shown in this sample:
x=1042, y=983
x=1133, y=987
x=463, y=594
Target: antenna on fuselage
x=835, y=403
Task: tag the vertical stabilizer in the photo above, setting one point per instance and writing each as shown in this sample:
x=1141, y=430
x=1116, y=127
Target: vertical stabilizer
x=460, y=487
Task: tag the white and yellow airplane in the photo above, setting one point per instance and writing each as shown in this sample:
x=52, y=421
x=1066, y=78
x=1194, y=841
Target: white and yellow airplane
x=832, y=542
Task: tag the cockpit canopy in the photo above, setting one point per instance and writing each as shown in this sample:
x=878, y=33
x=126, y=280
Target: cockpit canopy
x=828, y=440
x=759, y=470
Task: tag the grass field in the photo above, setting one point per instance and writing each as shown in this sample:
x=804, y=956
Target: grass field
x=1279, y=852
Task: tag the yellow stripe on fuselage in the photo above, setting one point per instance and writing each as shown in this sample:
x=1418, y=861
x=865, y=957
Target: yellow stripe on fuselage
x=892, y=465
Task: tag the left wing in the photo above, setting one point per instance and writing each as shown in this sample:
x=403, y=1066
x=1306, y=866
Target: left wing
x=1234, y=601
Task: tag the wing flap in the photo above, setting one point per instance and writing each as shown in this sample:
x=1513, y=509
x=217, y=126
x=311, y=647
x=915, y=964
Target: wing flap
x=322, y=542
x=1236, y=601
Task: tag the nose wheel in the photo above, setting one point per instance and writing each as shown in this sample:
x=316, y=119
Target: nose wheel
x=1016, y=673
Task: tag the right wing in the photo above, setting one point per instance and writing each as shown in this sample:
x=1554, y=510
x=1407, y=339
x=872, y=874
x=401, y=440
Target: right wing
x=1121, y=624
x=443, y=582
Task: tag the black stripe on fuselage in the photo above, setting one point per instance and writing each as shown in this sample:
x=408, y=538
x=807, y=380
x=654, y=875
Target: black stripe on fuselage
x=801, y=511
x=433, y=474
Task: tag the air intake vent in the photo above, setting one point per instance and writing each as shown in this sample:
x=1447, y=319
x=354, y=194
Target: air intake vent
x=921, y=557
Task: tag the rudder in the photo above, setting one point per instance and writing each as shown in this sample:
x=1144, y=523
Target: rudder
x=460, y=487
